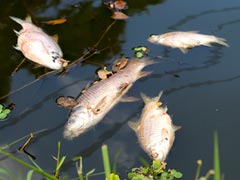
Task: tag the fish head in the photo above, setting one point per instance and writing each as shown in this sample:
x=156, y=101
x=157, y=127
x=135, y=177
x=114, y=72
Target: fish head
x=153, y=38
x=55, y=61
x=161, y=147
x=78, y=122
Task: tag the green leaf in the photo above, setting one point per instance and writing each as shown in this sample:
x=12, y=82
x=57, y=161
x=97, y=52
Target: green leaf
x=29, y=175
x=3, y=116
x=1, y=107
x=61, y=162
x=156, y=164
x=137, y=48
x=177, y=174
x=139, y=54
x=6, y=111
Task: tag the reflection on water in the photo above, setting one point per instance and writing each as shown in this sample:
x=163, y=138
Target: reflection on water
x=205, y=74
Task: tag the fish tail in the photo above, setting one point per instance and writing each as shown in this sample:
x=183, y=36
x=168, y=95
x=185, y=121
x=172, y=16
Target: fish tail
x=17, y=20
x=147, y=99
x=145, y=61
x=148, y=61
x=221, y=41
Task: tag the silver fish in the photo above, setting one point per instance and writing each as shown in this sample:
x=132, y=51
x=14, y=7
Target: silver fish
x=100, y=98
x=37, y=46
x=186, y=40
x=155, y=130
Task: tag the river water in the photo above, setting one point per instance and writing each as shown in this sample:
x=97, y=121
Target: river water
x=200, y=87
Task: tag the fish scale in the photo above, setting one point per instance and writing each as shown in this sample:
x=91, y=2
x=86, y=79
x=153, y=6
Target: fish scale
x=154, y=130
x=37, y=46
x=101, y=97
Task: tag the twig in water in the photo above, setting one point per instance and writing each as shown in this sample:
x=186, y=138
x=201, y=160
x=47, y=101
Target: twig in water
x=22, y=148
x=18, y=66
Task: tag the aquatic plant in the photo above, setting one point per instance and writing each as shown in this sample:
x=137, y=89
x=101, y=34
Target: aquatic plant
x=4, y=112
x=156, y=171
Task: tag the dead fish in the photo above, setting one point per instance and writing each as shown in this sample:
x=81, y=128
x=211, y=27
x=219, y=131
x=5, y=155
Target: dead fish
x=186, y=40
x=155, y=130
x=37, y=46
x=101, y=97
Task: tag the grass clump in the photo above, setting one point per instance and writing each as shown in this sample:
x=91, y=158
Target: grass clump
x=157, y=171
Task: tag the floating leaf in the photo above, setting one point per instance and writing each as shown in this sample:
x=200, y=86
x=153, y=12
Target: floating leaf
x=56, y=21
x=119, y=64
x=120, y=4
x=3, y=116
x=119, y=15
x=139, y=54
x=104, y=74
x=6, y=111
x=1, y=107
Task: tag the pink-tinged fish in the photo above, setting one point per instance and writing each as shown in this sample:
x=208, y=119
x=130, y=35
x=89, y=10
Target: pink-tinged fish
x=37, y=46
x=186, y=40
x=155, y=130
x=92, y=105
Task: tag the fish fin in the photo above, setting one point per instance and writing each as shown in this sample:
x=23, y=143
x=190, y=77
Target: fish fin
x=176, y=127
x=16, y=32
x=17, y=20
x=221, y=41
x=165, y=109
x=100, y=105
x=17, y=48
x=149, y=61
x=144, y=73
x=129, y=99
x=28, y=19
x=133, y=125
x=147, y=99
x=122, y=87
x=184, y=50
x=194, y=32
x=208, y=44
x=55, y=38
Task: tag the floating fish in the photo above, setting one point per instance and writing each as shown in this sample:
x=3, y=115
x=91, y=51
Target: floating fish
x=186, y=40
x=155, y=130
x=92, y=105
x=37, y=46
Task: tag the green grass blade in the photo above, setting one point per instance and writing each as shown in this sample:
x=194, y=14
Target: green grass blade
x=89, y=173
x=48, y=176
x=60, y=163
x=4, y=171
x=106, y=162
x=29, y=175
x=217, y=175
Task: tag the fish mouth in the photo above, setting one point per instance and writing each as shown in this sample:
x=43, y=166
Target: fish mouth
x=64, y=62
x=69, y=135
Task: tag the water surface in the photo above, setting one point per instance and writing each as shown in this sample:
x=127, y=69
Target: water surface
x=202, y=99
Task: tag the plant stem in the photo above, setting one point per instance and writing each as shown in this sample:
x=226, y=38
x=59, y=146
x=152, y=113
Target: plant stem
x=106, y=162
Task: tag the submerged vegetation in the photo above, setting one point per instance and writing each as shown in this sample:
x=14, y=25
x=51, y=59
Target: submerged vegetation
x=156, y=171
